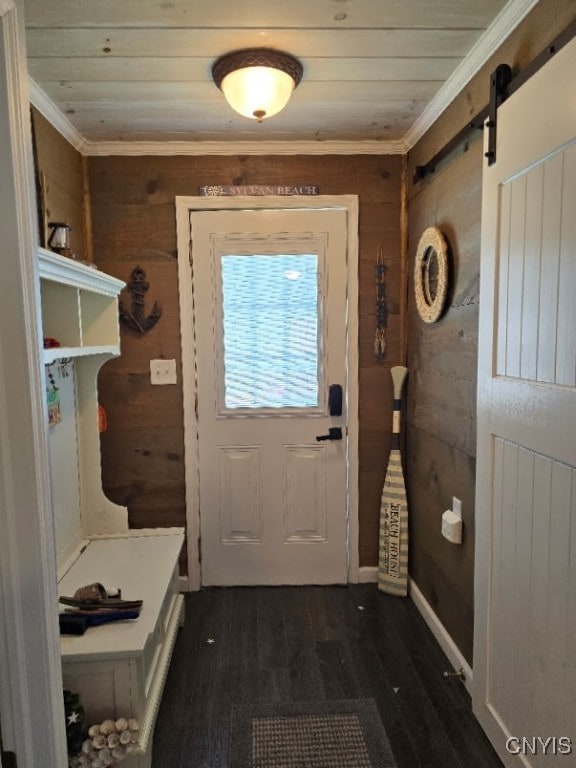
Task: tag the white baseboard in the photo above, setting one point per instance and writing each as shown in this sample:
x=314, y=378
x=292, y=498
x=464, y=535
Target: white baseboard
x=445, y=641
x=368, y=574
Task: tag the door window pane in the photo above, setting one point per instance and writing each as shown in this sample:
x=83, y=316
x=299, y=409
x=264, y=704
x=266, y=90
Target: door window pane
x=270, y=327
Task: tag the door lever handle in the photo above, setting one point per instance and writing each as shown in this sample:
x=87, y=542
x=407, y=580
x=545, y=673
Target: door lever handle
x=334, y=433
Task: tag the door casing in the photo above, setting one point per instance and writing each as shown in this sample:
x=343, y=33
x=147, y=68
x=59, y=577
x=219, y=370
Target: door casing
x=185, y=206
x=31, y=703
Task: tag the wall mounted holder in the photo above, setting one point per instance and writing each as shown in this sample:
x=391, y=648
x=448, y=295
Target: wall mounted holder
x=380, y=341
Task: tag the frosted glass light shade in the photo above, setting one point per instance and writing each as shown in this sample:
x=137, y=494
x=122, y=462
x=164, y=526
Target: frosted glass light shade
x=257, y=82
x=257, y=92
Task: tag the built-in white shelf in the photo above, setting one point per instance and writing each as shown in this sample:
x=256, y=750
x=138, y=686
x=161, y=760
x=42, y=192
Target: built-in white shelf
x=55, y=353
x=118, y=669
x=79, y=307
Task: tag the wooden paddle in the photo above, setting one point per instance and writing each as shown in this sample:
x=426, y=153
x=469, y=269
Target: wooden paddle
x=393, y=560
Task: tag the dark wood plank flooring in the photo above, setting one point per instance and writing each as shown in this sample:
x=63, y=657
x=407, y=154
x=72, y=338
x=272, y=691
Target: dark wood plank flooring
x=307, y=644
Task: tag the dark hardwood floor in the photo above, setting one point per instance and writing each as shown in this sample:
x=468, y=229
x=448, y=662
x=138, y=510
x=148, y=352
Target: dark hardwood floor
x=312, y=643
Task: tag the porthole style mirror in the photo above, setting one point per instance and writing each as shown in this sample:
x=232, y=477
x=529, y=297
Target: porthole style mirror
x=431, y=274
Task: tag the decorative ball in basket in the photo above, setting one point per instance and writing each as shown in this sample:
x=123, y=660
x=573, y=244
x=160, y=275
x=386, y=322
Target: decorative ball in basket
x=107, y=744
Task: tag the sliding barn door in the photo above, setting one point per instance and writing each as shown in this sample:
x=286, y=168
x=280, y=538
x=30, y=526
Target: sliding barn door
x=525, y=625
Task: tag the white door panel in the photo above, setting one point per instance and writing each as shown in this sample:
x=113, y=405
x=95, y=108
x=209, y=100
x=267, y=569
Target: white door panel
x=537, y=311
x=525, y=616
x=270, y=334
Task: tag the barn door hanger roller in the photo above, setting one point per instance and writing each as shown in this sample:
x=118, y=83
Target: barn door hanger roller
x=502, y=85
x=499, y=82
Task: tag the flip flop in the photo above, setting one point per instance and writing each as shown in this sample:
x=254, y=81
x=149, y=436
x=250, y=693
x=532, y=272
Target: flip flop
x=100, y=611
x=94, y=596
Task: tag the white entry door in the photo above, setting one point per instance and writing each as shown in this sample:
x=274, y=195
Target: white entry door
x=525, y=618
x=270, y=327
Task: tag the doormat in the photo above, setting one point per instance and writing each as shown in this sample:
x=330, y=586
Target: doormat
x=309, y=734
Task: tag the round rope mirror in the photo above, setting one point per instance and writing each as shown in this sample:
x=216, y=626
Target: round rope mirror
x=431, y=274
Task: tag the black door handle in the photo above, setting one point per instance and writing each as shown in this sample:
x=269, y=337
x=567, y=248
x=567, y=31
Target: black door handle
x=334, y=433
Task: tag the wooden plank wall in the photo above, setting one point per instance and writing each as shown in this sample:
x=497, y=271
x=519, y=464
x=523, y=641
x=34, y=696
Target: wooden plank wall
x=134, y=223
x=60, y=173
x=442, y=358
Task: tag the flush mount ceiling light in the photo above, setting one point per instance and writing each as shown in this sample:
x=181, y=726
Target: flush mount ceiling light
x=257, y=82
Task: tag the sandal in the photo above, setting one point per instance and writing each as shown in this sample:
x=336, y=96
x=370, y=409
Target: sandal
x=94, y=596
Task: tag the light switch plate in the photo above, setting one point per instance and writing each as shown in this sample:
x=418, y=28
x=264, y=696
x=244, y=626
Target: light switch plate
x=163, y=371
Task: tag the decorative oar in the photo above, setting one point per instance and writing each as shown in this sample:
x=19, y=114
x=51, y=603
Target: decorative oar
x=393, y=561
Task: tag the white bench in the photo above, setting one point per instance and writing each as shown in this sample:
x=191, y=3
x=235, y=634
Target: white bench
x=119, y=669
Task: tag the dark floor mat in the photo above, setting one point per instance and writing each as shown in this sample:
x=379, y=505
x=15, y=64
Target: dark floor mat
x=319, y=734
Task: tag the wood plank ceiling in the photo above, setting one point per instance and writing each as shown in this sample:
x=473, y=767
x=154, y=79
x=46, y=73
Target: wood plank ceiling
x=139, y=70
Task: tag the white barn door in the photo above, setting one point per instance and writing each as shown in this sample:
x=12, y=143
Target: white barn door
x=525, y=620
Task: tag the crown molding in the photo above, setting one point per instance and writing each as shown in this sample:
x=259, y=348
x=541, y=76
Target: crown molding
x=134, y=148
x=502, y=26
x=62, y=124
x=48, y=109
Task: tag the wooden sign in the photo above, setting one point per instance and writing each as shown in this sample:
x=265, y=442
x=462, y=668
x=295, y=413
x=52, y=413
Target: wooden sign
x=217, y=190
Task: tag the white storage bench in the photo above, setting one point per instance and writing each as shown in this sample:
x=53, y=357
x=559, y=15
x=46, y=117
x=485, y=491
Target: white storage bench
x=119, y=668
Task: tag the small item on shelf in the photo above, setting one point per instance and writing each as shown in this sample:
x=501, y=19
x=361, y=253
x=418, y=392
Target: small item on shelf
x=77, y=622
x=95, y=596
x=96, y=611
x=50, y=343
x=72, y=625
x=59, y=240
x=95, y=618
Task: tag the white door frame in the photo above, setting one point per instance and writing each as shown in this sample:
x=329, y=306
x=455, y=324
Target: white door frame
x=31, y=705
x=184, y=207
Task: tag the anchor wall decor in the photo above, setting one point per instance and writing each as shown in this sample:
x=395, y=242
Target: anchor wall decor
x=136, y=319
